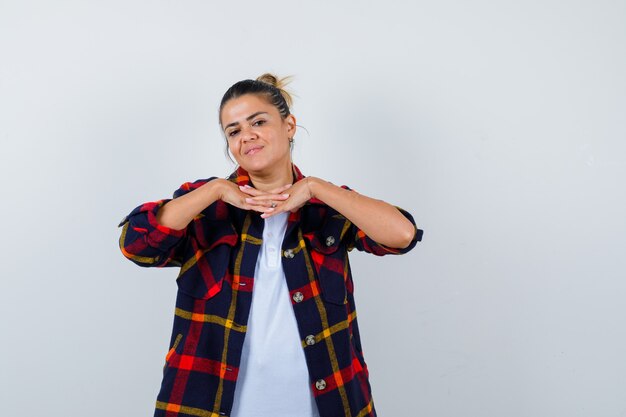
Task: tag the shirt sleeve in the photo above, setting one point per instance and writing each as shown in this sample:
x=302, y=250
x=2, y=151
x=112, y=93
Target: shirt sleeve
x=359, y=240
x=146, y=242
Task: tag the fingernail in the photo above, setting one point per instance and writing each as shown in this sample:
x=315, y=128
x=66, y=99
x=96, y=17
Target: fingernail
x=285, y=195
x=248, y=199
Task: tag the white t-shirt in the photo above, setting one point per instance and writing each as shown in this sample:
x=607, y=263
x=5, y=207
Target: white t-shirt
x=273, y=378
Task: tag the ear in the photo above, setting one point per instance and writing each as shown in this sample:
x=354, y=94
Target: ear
x=291, y=125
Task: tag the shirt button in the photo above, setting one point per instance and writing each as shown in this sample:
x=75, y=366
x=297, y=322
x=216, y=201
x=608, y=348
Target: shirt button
x=289, y=254
x=330, y=241
x=298, y=297
x=320, y=384
x=310, y=340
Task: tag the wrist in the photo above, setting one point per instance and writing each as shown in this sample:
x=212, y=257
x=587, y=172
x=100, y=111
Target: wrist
x=313, y=184
x=215, y=189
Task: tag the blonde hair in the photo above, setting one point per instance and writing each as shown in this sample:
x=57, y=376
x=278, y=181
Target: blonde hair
x=279, y=83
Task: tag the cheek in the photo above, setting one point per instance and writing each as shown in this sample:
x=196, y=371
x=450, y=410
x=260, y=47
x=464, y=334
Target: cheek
x=232, y=148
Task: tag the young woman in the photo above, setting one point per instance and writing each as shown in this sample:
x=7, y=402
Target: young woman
x=265, y=322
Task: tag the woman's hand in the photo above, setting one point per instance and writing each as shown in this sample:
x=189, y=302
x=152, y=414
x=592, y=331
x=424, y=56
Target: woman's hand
x=268, y=204
x=379, y=220
x=237, y=196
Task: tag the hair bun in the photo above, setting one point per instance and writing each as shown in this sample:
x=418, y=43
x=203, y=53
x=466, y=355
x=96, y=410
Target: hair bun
x=279, y=83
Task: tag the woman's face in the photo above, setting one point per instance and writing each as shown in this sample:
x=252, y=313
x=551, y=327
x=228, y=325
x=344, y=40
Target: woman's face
x=257, y=136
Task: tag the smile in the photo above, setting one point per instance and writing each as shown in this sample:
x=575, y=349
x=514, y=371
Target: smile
x=254, y=150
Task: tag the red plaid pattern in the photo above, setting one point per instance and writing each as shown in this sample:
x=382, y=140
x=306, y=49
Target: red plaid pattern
x=217, y=255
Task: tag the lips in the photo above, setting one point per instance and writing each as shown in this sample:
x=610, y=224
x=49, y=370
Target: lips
x=253, y=150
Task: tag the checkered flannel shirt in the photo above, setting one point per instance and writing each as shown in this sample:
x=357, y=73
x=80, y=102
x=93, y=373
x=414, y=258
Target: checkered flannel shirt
x=217, y=255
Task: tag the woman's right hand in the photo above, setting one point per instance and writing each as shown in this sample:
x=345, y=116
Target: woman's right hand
x=179, y=212
x=231, y=194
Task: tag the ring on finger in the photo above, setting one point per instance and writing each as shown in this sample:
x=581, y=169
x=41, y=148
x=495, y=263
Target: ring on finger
x=273, y=204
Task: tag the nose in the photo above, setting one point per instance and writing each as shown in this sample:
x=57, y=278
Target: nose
x=247, y=134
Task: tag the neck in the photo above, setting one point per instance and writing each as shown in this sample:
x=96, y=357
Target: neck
x=278, y=176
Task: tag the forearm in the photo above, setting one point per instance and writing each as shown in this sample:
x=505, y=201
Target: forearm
x=379, y=220
x=179, y=212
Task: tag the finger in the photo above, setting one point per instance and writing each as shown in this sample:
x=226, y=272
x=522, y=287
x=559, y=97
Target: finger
x=274, y=194
x=264, y=199
x=262, y=202
x=256, y=203
x=240, y=203
x=245, y=205
x=253, y=191
x=272, y=212
x=262, y=209
x=250, y=190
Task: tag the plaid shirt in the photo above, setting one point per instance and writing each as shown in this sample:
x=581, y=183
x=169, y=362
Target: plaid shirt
x=217, y=255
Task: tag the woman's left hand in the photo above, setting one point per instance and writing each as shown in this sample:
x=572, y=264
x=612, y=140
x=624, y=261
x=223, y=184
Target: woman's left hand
x=299, y=193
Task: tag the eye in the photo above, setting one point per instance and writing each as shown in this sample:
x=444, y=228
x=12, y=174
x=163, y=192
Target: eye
x=233, y=132
x=259, y=122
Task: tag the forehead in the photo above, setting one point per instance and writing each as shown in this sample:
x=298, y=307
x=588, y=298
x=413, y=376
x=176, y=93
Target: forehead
x=237, y=109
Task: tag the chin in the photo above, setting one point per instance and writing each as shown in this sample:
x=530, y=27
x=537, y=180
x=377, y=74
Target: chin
x=263, y=163
x=256, y=166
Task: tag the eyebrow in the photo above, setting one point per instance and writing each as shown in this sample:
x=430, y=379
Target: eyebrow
x=252, y=116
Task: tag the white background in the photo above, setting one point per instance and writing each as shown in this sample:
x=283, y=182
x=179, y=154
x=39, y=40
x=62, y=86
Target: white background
x=499, y=125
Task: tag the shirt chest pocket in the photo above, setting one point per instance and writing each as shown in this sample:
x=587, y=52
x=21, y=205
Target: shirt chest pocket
x=330, y=260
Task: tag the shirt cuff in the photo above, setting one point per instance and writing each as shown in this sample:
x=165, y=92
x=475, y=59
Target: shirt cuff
x=143, y=220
